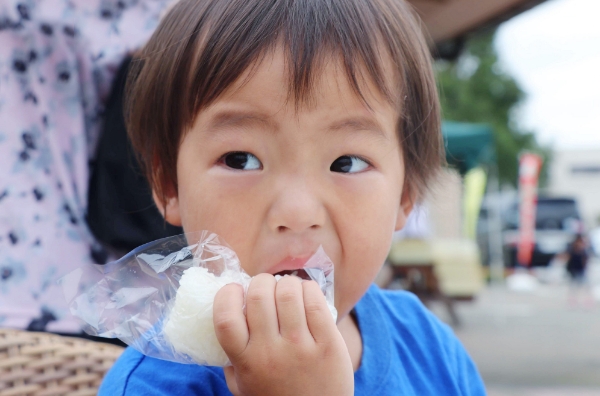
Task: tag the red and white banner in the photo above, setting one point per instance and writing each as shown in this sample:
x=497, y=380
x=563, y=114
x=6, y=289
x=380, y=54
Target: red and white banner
x=529, y=170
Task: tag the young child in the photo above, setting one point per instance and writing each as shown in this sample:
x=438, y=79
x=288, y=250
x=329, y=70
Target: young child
x=283, y=125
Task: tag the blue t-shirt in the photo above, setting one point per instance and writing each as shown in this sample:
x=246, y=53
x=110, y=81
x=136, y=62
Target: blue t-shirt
x=406, y=351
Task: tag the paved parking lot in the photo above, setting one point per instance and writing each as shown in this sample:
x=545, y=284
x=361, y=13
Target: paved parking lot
x=530, y=343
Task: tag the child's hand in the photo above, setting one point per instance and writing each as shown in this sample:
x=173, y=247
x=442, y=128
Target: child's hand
x=287, y=344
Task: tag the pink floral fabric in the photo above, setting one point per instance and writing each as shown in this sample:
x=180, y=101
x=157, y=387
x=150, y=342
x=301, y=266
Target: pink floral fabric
x=57, y=60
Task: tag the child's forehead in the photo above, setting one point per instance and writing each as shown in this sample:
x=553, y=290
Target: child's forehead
x=263, y=97
x=272, y=76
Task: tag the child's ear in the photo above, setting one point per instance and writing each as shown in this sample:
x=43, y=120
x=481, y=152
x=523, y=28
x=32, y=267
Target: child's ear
x=407, y=202
x=169, y=208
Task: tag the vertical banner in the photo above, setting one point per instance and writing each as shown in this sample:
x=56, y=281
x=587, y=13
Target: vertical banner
x=474, y=190
x=529, y=170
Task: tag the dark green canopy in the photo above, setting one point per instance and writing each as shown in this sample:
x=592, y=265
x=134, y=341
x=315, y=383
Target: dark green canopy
x=468, y=145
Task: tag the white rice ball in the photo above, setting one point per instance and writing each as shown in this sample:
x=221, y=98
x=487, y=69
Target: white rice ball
x=190, y=327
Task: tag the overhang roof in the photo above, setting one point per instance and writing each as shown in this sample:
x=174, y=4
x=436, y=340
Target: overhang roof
x=451, y=19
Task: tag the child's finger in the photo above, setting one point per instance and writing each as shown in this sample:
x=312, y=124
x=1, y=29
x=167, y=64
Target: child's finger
x=261, y=313
x=229, y=372
x=318, y=318
x=229, y=320
x=290, y=309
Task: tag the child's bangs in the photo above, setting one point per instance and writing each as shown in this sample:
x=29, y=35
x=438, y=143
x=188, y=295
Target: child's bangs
x=240, y=33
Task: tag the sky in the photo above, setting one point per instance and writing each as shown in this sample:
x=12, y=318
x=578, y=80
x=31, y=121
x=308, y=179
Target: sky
x=553, y=51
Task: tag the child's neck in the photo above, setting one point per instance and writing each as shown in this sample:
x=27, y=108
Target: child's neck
x=351, y=334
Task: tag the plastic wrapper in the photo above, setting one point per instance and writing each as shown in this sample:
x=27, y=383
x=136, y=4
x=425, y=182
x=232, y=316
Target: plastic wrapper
x=158, y=298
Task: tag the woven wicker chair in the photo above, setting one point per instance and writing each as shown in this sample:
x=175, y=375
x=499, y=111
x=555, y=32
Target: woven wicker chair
x=36, y=364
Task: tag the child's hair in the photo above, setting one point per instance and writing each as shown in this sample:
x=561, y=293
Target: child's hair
x=202, y=47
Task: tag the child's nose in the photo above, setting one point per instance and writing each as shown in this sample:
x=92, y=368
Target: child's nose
x=297, y=208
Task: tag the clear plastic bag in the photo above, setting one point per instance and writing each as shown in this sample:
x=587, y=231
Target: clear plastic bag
x=135, y=298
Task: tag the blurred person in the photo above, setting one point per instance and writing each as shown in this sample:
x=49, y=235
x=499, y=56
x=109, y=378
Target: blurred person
x=57, y=62
x=576, y=265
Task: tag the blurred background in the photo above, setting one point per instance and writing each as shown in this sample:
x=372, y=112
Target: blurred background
x=492, y=250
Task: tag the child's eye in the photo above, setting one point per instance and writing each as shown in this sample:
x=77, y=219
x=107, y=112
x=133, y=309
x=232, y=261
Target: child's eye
x=348, y=164
x=241, y=160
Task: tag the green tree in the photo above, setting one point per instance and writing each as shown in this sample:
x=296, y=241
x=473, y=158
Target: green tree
x=476, y=89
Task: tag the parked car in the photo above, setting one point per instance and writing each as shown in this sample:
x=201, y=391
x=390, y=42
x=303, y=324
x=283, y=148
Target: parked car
x=556, y=224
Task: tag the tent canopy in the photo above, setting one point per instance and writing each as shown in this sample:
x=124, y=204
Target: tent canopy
x=468, y=145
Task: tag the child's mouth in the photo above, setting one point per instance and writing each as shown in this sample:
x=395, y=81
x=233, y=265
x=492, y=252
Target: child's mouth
x=291, y=266
x=300, y=273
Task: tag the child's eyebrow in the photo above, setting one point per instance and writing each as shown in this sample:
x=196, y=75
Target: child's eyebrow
x=358, y=124
x=234, y=118
x=225, y=119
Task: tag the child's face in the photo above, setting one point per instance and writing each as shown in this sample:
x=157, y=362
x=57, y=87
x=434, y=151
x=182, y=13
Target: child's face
x=276, y=180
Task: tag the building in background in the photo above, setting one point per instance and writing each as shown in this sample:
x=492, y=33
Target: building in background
x=576, y=173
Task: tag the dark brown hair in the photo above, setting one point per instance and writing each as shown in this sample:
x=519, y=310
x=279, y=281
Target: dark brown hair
x=202, y=47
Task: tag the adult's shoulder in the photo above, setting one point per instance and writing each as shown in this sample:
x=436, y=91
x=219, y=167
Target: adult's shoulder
x=136, y=374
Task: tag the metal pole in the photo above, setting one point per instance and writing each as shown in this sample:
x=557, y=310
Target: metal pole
x=495, y=229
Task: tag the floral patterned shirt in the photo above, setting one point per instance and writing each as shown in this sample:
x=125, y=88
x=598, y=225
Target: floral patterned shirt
x=57, y=60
